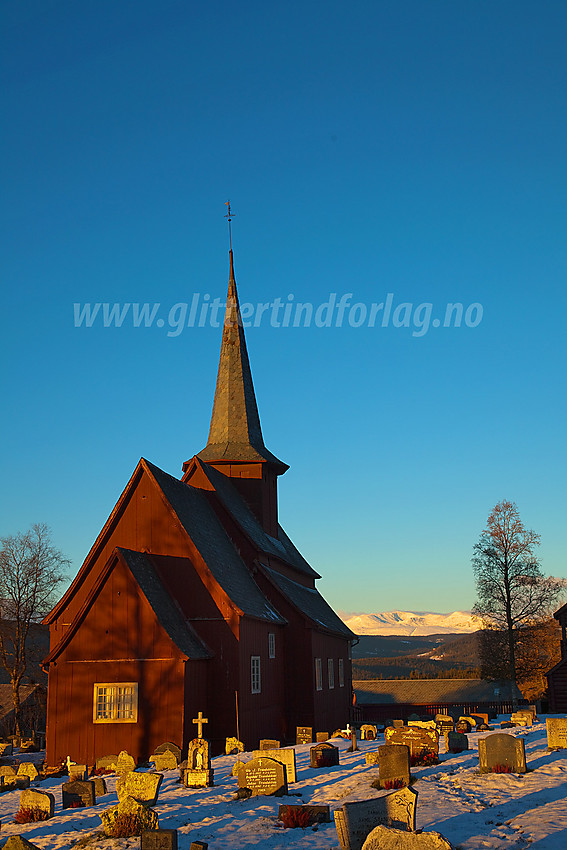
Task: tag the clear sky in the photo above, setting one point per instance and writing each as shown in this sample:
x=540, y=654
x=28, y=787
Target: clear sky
x=367, y=148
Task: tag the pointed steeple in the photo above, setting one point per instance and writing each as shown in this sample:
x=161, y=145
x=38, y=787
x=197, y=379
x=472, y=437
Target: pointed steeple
x=235, y=434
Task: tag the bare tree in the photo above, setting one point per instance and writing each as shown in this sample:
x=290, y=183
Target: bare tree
x=30, y=573
x=513, y=593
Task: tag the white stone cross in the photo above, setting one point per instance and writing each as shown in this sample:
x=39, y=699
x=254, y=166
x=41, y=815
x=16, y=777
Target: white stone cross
x=199, y=720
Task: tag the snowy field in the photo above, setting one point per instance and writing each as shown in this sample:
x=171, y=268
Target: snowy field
x=472, y=811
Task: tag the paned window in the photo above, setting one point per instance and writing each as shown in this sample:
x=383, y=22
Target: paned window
x=331, y=672
x=115, y=702
x=271, y=645
x=255, y=680
x=318, y=675
x=341, y=673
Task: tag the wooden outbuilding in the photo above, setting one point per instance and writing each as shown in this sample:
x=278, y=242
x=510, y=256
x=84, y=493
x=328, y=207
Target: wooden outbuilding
x=192, y=599
x=557, y=676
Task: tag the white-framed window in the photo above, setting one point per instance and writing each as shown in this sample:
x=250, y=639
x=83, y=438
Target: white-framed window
x=318, y=675
x=341, y=672
x=255, y=678
x=271, y=645
x=331, y=673
x=115, y=702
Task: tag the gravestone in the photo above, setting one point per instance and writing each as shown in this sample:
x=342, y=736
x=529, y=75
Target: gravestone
x=480, y=717
x=28, y=768
x=415, y=738
x=384, y=838
x=321, y=737
x=423, y=724
x=18, y=842
x=77, y=772
x=303, y=734
x=394, y=765
x=354, y=821
x=443, y=718
x=398, y=724
x=556, y=732
x=159, y=839
x=99, y=786
x=199, y=845
x=463, y=726
x=507, y=724
x=79, y=793
x=20, y=781
x=106, y=763
x=372, y=758
x=324, y=755
x=353, y=741
x=522, y=718
x=286, y=756
x=125, y=763
x=6, y=750
x=145, y=816
x=142, y=787
x=42, y=800
x=499, y=752
x=198, y=773
x=368, y=732
x=414, y=717
x=263, y=776
x=456, y=742
x=317, y=814
x=165, y=761
x=233, y=746
x=168, y=745
x=468, y=718
x=269, y=744
x=7, y=770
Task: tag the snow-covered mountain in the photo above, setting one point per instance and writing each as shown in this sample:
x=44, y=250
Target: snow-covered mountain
x=412, y=624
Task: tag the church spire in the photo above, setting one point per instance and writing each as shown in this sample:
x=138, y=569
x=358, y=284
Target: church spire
x=235, y=434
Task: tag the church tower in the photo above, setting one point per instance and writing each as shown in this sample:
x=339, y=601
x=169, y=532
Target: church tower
x=235, y=446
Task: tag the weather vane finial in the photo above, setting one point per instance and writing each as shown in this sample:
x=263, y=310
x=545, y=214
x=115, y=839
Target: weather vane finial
x=229, y=216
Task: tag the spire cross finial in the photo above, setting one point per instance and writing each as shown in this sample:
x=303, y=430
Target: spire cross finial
x=229, y=216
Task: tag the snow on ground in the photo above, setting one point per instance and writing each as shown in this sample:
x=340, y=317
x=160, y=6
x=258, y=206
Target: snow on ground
x=472, y=811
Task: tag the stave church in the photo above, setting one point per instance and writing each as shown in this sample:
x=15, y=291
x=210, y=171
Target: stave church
x=193, y=599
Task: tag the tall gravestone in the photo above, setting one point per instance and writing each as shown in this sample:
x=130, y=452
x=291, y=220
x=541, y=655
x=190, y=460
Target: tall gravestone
x=394, y=766
x=77, y=794
x=263, y=776
x=285, y=756
x=501, y=753
x=199, y=772
x=354, y=821
x=556, y=732
x=368, y=732
x=304, y=734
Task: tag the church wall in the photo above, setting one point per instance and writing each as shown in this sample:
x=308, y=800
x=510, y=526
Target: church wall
x=262, y=715
x=332, y=706
x=120, y=640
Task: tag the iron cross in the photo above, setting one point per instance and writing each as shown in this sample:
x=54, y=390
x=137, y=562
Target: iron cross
x=199, y=720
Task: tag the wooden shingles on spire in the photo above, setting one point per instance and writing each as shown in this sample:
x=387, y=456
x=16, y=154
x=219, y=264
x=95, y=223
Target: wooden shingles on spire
x=235, y=433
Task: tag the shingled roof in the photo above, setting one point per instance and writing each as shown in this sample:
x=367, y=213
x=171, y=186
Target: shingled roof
x=235, y=433
x=432, y=691
x=165, y=608
x=282, y=548
x=217, y=550
x=309, y=602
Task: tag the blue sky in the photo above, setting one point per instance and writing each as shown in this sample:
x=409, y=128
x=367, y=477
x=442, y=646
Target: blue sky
x=412, y=148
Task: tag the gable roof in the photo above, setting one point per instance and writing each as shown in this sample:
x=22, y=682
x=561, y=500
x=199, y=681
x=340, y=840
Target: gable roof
x=168, y=613
x=432, y=691
x=309, y=602
x=214, y=545
x=234, y=503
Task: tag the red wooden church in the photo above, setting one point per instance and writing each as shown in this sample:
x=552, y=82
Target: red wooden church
x=192, y=596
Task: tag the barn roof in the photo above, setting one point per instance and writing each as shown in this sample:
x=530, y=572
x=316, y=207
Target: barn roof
x=235, y=432
x=281, y=548
x=308, y=601
x=432, y=691
x=217, y=550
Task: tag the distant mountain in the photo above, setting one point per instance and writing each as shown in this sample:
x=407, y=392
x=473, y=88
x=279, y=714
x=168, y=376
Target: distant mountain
x=412, y=624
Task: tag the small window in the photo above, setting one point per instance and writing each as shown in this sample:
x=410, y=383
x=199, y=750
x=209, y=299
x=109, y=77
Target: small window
x=331, y=672
x=271, y=645
x=256, y=682
x=341, y=673
x=318, y=675
x=115, y=702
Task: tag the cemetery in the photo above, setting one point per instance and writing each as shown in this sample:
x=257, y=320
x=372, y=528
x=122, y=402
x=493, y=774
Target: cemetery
x=506, y=788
